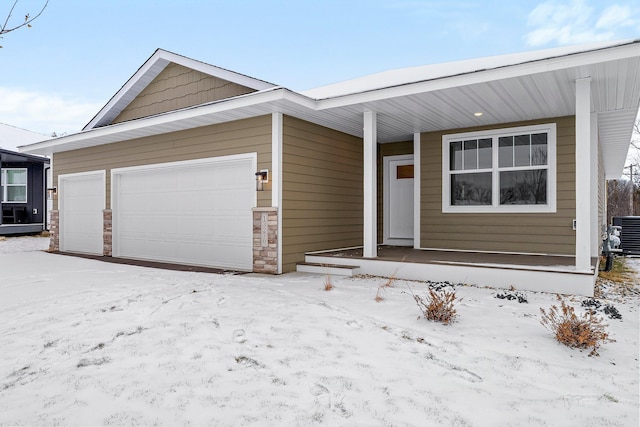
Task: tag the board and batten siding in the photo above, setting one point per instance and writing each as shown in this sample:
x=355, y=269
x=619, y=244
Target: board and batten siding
x=322, y=190
x=547, y=233
x=231, y=138
x=179, y=87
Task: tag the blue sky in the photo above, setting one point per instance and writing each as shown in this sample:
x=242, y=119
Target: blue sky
x=56, y=75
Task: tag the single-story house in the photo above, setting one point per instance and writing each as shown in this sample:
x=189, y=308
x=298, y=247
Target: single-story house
x=23, y=196
x=488, y=171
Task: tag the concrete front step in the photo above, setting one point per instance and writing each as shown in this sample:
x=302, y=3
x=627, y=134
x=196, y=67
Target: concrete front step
x=331, y=269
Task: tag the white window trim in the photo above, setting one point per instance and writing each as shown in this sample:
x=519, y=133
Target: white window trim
x=550, y=207
x=3, y=178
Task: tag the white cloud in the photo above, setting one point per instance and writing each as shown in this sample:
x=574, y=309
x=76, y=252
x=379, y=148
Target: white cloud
x=44, y=112
x=576, y=22
x=615, y=16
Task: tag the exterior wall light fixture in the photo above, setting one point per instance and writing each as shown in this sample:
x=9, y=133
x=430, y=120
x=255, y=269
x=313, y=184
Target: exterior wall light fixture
x=261, y=178
x=51, y=192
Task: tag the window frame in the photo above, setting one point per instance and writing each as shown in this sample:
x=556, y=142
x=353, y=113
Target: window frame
x=6, y=185
x=496, y=207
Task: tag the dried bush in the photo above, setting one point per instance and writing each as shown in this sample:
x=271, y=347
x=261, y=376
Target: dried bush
x=328, y=281
x=583, y=332
x=328, y=285
x=439, y=306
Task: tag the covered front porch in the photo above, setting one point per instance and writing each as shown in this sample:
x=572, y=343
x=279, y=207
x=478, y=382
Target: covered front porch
x=570, y=100
x=535, y=272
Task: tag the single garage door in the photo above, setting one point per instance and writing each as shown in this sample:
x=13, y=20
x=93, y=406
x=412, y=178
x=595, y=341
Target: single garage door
x=193, y=212
x=81, y=202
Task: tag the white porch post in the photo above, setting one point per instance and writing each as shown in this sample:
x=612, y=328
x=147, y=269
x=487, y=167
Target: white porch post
x=583, y=174
x=370, y=238
x=417, y=183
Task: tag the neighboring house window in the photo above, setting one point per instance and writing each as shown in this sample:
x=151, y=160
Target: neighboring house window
x=502, y=170
x=13, y=185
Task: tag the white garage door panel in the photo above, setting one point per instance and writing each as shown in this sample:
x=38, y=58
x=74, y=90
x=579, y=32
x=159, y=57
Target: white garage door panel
x=197, y=214
x=82, y=200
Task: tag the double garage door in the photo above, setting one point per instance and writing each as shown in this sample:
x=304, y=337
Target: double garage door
x=194, y=212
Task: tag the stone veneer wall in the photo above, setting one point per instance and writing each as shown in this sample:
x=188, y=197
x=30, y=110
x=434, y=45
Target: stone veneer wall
x=54, y=231
x=107, y=228
x=265, y=240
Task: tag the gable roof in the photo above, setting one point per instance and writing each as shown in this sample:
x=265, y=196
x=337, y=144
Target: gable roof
x=151, y=69
x=509, y=88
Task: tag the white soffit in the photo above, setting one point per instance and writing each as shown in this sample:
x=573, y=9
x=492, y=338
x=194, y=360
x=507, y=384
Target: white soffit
x=615, y=130
x=424, y=73
x=150, y=70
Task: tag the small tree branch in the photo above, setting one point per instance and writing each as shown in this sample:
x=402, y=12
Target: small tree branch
x=6, y=22
x=27, y=19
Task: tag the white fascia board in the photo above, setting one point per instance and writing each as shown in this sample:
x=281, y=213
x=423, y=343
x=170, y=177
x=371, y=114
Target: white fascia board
x=576, y=61
x=155, y=65
x=133, y=84
x=139, y=128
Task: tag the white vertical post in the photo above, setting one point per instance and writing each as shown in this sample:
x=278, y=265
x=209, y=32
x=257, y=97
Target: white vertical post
x=595, y=187
x=583, y=174
x=276, y=176
x=416, y=190
x=370, y=225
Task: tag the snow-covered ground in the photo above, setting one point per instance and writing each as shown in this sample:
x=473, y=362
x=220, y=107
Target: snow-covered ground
x=93, y=343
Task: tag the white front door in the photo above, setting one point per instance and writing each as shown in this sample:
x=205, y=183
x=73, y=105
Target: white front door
x=398, y=200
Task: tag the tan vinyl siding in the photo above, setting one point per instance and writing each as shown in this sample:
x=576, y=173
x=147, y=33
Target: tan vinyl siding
x=321, y=190
x=384, y=150
x=237, y=137
x=179, y=87
x=512, y=232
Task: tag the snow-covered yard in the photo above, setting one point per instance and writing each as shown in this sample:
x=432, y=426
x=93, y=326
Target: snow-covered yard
x=87, y=342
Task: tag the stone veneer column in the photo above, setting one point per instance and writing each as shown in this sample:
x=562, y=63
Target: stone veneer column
x=265, y=240
x=54, y=231
x=107, y=227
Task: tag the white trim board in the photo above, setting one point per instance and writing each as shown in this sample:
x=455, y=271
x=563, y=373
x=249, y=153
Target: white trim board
x=539, y=279
x=276, y=180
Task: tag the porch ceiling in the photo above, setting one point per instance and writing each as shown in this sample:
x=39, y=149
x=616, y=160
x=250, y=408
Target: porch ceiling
x=615, y=99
